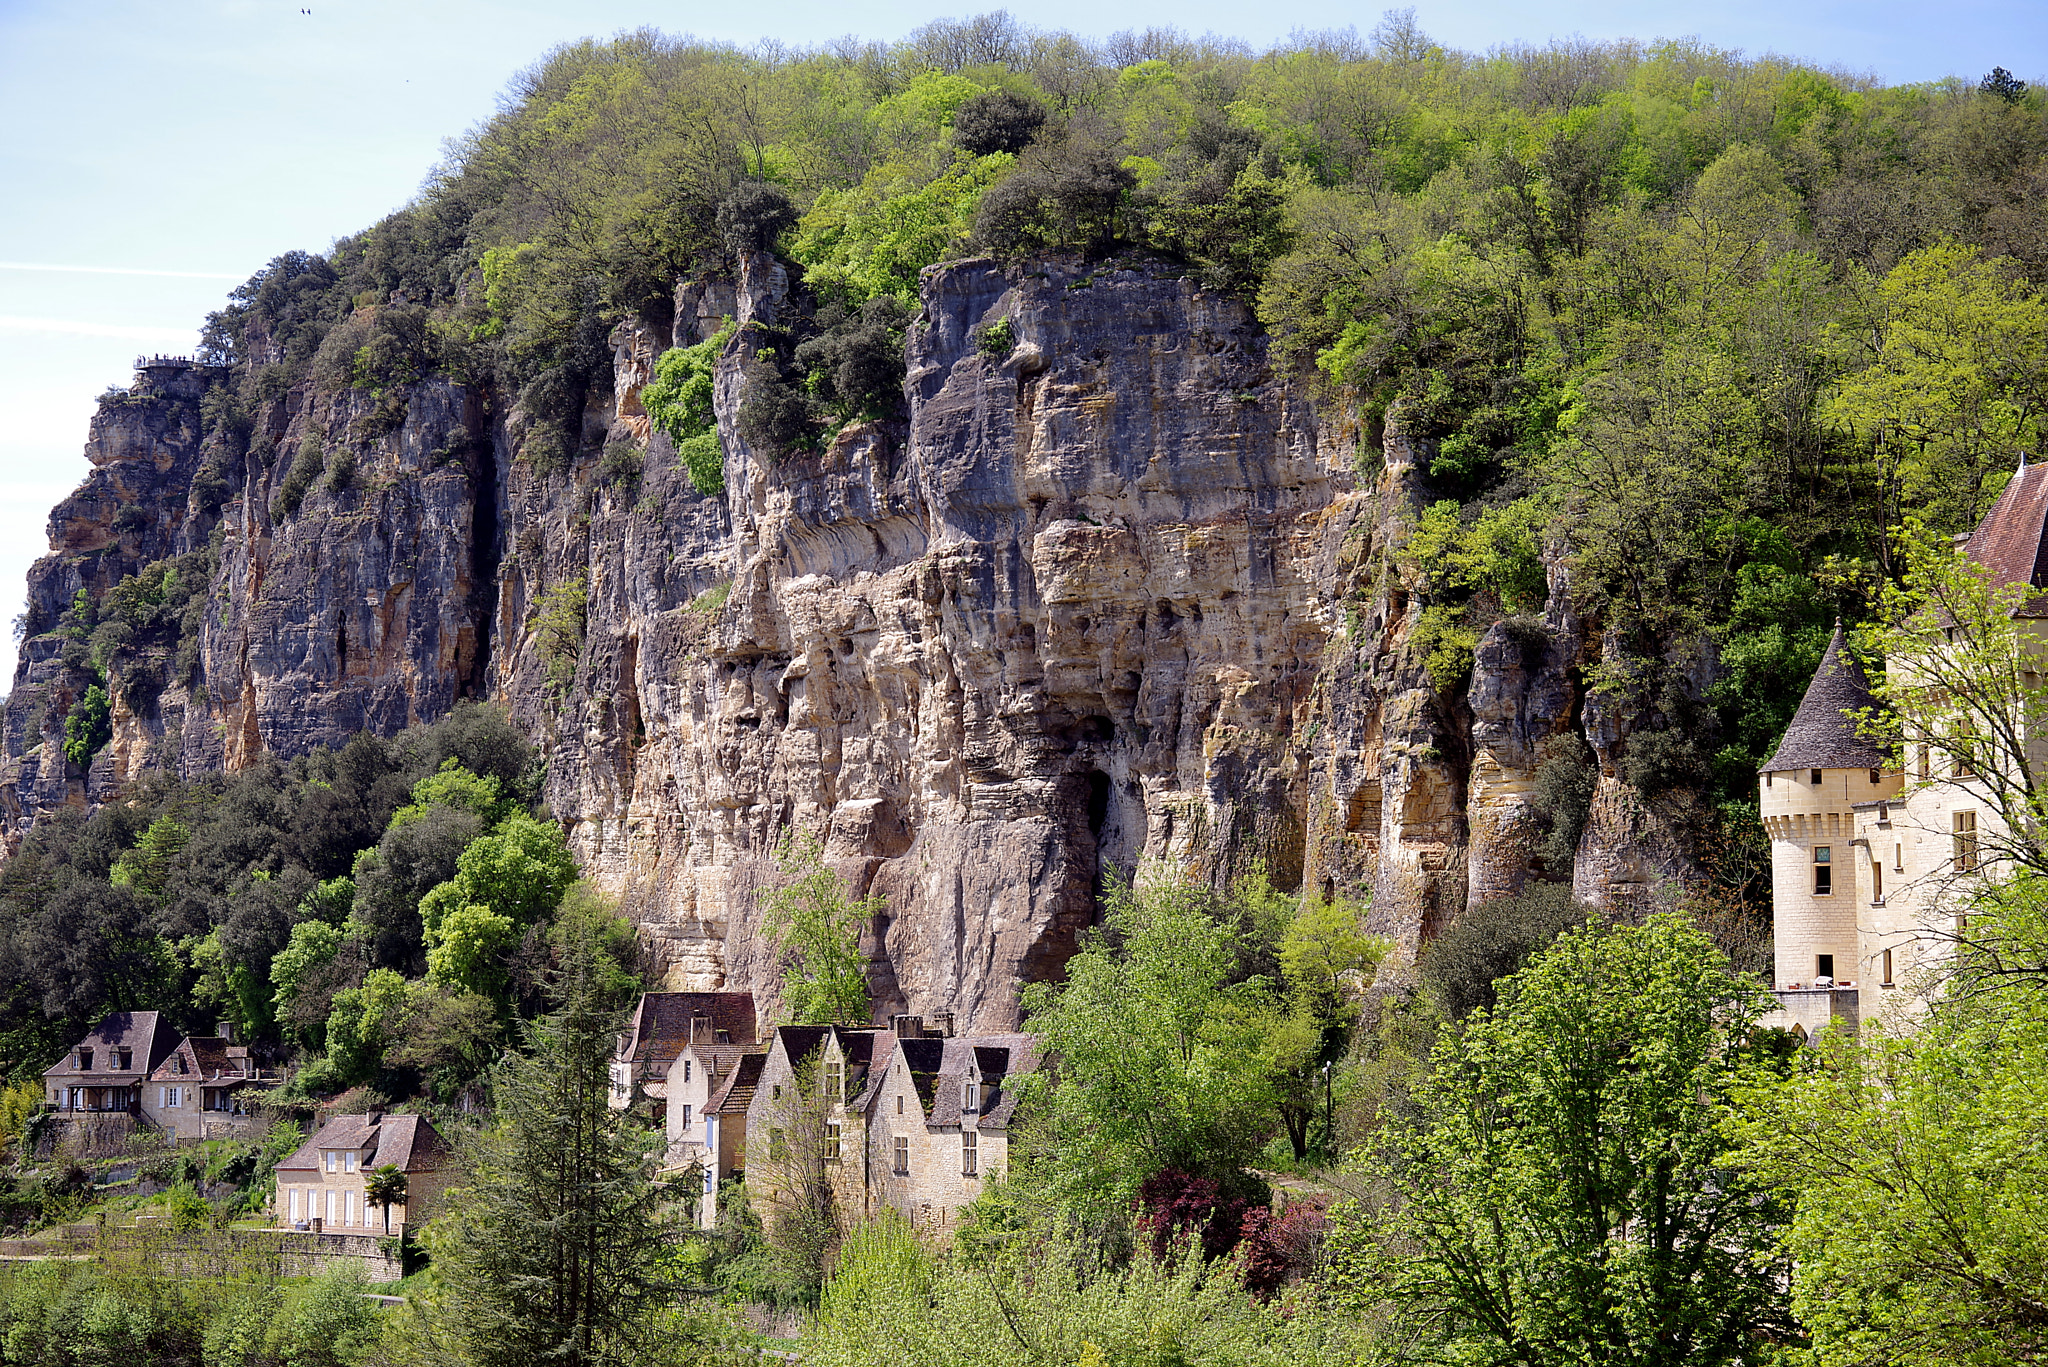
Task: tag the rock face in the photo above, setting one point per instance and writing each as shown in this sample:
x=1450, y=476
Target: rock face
x=1114, y=596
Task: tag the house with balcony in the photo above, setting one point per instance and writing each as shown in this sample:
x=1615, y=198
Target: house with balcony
x=208, y=1088
x=106, y=1071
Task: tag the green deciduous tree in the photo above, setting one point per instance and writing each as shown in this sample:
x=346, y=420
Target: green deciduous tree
x=1957, y=383
x=817, y=927
x=519, y=871
x=1160, y=1053
x=1915, y=1164
x=1565, y=1194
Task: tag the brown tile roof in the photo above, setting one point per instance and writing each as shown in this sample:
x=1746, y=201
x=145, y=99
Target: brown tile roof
x=1823, y=733
x=662, y=1023
x=409, y=1143
x=738, y=1089
x=147, y=1036
x=205, y=1058
x=2012, y=540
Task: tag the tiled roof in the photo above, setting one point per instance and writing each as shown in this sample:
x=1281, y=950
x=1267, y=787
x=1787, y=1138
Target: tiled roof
x=662, y=1022
x=1823, y=733
x=206, y=1059
x=938, y=1068
x=409, y=1143
x=144, y=1033
x=2012, y=540
x=738, y=1089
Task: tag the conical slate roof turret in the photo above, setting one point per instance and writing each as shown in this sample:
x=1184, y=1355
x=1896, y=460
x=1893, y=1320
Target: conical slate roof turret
x=1823, y=733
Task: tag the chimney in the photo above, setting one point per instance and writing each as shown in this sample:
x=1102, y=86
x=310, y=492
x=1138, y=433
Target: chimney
x=225, y=1029
x=907, y=1027
x=942, y=1024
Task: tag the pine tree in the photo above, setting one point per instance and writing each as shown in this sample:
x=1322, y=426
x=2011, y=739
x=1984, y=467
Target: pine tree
x=556, y=1248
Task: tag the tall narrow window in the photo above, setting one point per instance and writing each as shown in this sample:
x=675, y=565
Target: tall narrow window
x=686, y=1120
x=1823, y=870
x=835, y=1077
x=900, y=1151
x=967, y=1096
x=1922, y=768
x=1877, y=880
x=970, y=1153
x=1965, y=841
x=831, y=1141
x=1887, y=968
x=1898, y=856
x=686, y=1070
x=778, y=1146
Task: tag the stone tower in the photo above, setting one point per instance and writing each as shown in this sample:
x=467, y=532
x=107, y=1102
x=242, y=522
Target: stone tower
x=1823, y=771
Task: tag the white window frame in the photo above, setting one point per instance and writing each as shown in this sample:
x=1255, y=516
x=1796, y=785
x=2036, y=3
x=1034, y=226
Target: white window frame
x=970, y=1153
x=832, y=1141
x=294, y=1194
x=349, y=1161
x=330, y=1160
x=900, y=1155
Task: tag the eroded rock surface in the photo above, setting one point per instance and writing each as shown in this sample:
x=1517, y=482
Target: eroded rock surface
x=1114, y=596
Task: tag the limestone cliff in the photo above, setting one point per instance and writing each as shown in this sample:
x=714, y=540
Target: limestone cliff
x=1115, y=593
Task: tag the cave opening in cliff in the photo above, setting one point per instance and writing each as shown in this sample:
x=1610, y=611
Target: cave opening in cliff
x=1098, y=809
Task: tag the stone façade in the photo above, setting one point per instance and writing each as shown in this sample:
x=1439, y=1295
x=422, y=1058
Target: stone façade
x=1119, y=595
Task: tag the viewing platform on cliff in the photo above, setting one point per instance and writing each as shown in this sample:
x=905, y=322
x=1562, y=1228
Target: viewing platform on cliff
x=148, y=364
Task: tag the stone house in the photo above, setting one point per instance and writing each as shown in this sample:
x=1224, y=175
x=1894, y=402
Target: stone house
x=206, y=1089
x=805, y=1122
x=937, y=1117
x=1868, y=861
x=913, y=1118
x=107, y=1070
x=322, y=1186
x=662, y=1024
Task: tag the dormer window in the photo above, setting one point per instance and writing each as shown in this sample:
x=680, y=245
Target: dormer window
x=835, y=1076
x=84, y=1060
x=967, y=1091
x=124, y=1060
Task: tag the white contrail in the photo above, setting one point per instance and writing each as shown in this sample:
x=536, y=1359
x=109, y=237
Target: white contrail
x=115, y=270
x=130, y=332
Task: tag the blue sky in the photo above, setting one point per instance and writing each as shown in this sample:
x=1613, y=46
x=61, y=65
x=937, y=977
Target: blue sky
x=162, y=152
